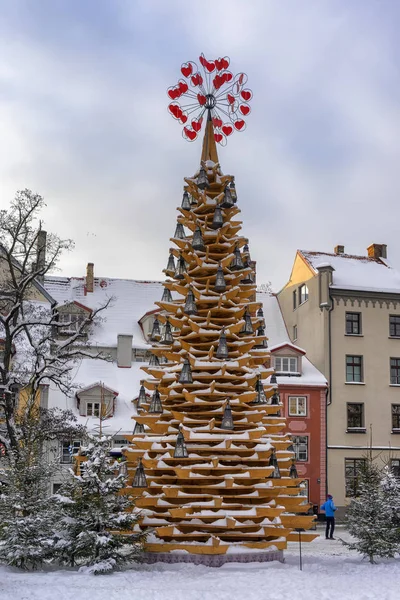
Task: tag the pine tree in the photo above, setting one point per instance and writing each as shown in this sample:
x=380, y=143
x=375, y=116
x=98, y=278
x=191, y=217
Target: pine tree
x=369, y=517
x=391, y=491
x=97, y=522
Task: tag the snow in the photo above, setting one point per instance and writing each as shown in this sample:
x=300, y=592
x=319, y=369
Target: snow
x=330, y=572
x=356, y=272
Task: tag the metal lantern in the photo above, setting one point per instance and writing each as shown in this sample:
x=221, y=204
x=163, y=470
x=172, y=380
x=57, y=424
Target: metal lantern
x=237, y=262
x=227, y=419
x=261, y=333
x=139, y=428
x=156, y=404
x=260, y=312
x=249, y=277
x=275, y=398
x=155, y=331
x=154, y=361
x=190, y=307
x=167, y=296
x=293, y=471
x=218, y=219
x=180, y=268
x=142, y=398
x=193, y=200
x=246, y=250
x=247, y=328
x=273, y=380
x=179, y=232
x=202, y=179
x=220, y=283
x=139, y=479
x=228, y=200
x=123, y=468
x=185, y=201
x=186, y=373
x=232, y=188
x=197, y=241
x=273, y=462
x=171, y=263
x=259, y=388
x=167, y=337
x=180, y=446
x=222, y=350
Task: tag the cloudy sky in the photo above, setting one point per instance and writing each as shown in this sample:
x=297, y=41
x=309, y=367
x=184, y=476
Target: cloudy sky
x=83, y=121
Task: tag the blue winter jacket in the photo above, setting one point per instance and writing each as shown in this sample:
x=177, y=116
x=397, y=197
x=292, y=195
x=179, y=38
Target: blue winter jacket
x=329, y=508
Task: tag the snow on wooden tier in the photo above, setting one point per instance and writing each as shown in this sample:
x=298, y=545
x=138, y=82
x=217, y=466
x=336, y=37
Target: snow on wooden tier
x=214, y=467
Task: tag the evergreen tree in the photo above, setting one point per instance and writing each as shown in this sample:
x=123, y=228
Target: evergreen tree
x=369, y=517
x=391, y=490
x=97, y=526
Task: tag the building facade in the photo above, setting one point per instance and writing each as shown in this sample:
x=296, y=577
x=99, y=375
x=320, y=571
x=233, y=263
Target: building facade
x=345, y=311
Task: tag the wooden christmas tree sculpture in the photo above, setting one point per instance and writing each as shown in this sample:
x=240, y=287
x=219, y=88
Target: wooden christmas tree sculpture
x=209, y=459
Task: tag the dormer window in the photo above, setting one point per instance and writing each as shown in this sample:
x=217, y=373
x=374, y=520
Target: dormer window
x=71, y=317
x=93, y=409
x=96, y=401
x=72, y=323
x=286, y=364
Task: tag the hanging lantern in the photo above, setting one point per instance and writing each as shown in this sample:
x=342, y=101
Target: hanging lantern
x=139, y=428
x=247, y=328
x=193, y=201
x=186, y=373
x=259, y=388
x=220, y=283
x=167, y=296
x=180, y=268
x=167, y=337
x=232, y=188
x=123, y=468
x=190, y=307
x=142, y=398
x=185, y=201
x=155, y=331
x=218, y=219
x=273, y=462
x=197, y=241
x=180, y=446
x=139, y=479
x=261, y=333
x=246, y=250
x=260, y=312
x=273, y=380
x=222, y=350
x=202, y=179
x=171, y=263
x=179, y=232
x=154, y=361
x=249, y=277
x=293, y=471
x=275, y=398
x=155, y=404
x=228, y=200
x=237, y=263
x=227, y=419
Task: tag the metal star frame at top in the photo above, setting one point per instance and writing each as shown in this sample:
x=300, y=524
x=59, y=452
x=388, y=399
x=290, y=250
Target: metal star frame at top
x=211, y=89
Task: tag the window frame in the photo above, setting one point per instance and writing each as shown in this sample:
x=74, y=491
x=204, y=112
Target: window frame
x=306, y=293
x=396, y=326
x=395, y=469
x=297, y=413
x=395, y=417
x=294, y=332
x=353, y=365
x=396, y=368
x=75, y=444
x=294, y=299
x=352, y=322
x=357, y=463
x=297, y=446
x=280, y=359
x=356, y=428
x=93, y=405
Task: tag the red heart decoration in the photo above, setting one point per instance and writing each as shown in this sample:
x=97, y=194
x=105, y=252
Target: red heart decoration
x=227, y=76
x=202, y=60
x=218, y=81
x=239, y=124
x=182, y=87
x=183, y=118
x=225, y=62
x=202, y=99
x=227, y=129
x=230, y=98
x=173, y=93
x=197, y=124
x=209, y=66
x=186, y=69
x=246, y=94
x=218, y=137
x=175, y=110
x=217, y=122
x=222, y=63
x=197, y=79
x=192, y=135
x=244, y=109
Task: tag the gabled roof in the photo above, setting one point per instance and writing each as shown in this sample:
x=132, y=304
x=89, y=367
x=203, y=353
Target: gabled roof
x=95, y=385
x=287, y=345
x=78, y=304
x=353, y=272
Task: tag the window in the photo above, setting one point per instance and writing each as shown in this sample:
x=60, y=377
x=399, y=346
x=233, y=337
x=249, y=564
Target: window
x=294, y=332
x=352, y=467
x=394, y=325
x=68, y=449
x=354, y=371
x=93, y=409
x=297, y=406
x=395, y=371
x=303, y=293
x=396, y=416
x=294, y=299
x=395, y=467
x=300, y=445
x=353, y=323
x=355, y=416
x=74, y=322
x=286, y=364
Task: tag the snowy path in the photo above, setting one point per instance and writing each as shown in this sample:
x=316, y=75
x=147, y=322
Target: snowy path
x=330, y=572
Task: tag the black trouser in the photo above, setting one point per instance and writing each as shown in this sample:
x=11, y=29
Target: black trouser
x=330, y=525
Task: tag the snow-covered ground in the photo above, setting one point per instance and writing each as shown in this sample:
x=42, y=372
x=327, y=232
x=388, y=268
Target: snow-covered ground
x=330, y=572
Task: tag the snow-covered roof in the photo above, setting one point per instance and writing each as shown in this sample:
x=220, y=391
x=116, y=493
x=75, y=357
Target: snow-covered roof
x=356, y=272
x=131, y=300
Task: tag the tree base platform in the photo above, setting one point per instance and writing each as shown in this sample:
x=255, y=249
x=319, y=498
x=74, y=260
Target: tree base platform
x=211, y=560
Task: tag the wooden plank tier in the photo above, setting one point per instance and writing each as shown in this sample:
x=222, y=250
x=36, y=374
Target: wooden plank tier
x=217, y=461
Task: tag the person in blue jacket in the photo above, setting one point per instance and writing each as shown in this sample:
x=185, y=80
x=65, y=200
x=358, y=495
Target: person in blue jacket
x=329, y=509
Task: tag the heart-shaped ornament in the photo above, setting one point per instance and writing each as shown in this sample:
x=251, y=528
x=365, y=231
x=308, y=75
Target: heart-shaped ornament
x=187, y=69
x=197, y=79
x=246, y=95
x=196, y=125
x=239, y=124
x=182, y=87
x=202, y=99
x=190, y=134
x=175, y=110
x=173, y=93
x=183, y=118
x=244, y=109
x=227, y=129
x=209, y=66
x=218, y=137
x=217, y=122
x=230, y=98
x=228, y=76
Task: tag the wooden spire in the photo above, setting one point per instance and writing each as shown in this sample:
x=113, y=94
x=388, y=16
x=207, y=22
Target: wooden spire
x=209, y=151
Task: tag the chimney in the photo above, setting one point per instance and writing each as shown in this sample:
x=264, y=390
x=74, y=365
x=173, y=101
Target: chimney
x=124, y=351
x=90, y=277
x=41, y=254
x=339, y=249
x=377, y=251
